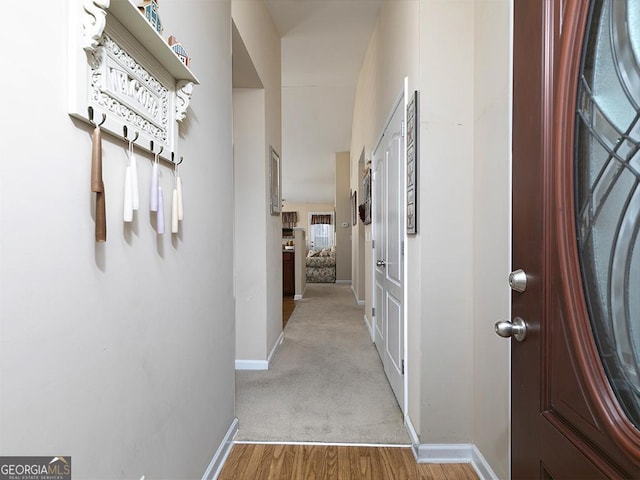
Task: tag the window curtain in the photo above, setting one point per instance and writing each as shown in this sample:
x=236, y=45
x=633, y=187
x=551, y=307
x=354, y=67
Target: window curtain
x=321, y=219
x=289, y=219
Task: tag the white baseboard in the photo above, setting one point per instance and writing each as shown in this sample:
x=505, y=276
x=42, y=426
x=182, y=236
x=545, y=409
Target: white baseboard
x=482, y=468
x=275, y=348
x=358, y=301
x=252, y=365
x=217, y=462
x=344, y=282
x=413, y=436
x=445, y=452
x=449, y=453
x=369, y=326
x=260, y=364
x=299, y=297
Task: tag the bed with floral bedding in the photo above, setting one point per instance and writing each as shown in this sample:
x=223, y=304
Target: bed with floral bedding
x=321, y=265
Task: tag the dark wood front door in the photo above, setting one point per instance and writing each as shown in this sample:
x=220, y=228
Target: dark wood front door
x=575, y=392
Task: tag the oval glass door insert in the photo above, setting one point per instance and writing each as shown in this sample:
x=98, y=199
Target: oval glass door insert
x=607, y=190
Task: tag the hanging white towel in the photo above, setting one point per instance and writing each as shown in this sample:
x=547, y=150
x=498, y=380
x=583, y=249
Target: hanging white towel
x=128, y=194
x=160, y=212
x=135, y=191
x=179, y=192
x=174, y=211
x=153, y=199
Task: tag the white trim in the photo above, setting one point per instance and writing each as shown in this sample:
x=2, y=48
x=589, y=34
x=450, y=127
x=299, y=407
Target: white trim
x=481, y=466
x=405, y=259
x=217, y=462
x=275, y=348
x=400, y=102
x=358, y=301
x=452, y=453
x=413, y=436
x=252, y=365
x=456, y=453
x=510, y=229
x=260, y=364
x=332, y=444
x=369, y=327
x=299, y=297
x=445, y=452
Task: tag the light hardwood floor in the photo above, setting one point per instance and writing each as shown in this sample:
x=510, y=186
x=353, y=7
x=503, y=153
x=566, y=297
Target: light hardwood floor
x=320, y=462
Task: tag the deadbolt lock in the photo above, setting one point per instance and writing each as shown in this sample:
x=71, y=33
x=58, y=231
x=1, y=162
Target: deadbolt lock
x=518, y=280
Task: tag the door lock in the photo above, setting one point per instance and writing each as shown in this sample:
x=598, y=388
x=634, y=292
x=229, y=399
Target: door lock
x=381, y=263
x=518, y=280
x=516, y=329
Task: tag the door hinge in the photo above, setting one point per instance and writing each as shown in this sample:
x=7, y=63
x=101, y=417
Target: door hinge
x=373, y=244
x=373, y=311
x=403, y=129
x=402, y=248
x=403, y=366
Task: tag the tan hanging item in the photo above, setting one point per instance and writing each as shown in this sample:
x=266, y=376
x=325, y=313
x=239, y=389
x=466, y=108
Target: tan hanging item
x=97, y=185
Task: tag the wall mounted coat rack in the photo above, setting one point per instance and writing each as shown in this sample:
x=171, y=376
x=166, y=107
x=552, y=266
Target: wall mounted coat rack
x=122, y=68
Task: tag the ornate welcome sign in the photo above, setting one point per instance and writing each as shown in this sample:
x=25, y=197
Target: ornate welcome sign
x=122, y=68
x=123, y=87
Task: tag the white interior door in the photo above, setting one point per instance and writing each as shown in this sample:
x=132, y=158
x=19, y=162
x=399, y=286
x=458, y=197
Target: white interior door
x=388, y=217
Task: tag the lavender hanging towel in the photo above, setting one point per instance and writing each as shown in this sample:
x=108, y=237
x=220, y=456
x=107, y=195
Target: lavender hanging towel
x=153, y=199
x=160, y=212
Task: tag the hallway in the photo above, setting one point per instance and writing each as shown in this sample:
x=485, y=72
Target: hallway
x=325, y=384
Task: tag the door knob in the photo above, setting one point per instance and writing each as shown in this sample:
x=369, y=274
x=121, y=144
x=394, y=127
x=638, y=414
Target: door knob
x=516, y=329
x=381, y=263
x=518, y=280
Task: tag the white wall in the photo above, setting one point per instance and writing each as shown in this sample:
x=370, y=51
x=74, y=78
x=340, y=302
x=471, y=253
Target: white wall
x=262, y=42
x=343, y=215
x=492, y=233
x=456, y=53
x=318, y=109
x=358, y=235
x=393, y=53
x=251, y=211
x=118, y=354
x=300, y=243
x=446, y=219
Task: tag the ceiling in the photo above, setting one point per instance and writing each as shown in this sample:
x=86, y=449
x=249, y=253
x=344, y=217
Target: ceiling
x=323, y=46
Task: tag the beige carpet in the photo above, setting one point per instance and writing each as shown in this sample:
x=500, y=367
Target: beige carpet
x=325, y=384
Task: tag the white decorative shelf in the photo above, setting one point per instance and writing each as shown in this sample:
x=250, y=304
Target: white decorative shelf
x=133, y=20
x=124, y=71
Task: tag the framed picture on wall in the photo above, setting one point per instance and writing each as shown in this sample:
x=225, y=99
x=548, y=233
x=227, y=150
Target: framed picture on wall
x=412, y=164
x=366, y=194
x=274, y=182
x=354, y=208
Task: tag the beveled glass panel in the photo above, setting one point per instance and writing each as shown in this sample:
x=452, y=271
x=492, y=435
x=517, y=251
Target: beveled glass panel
x=607, y=191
